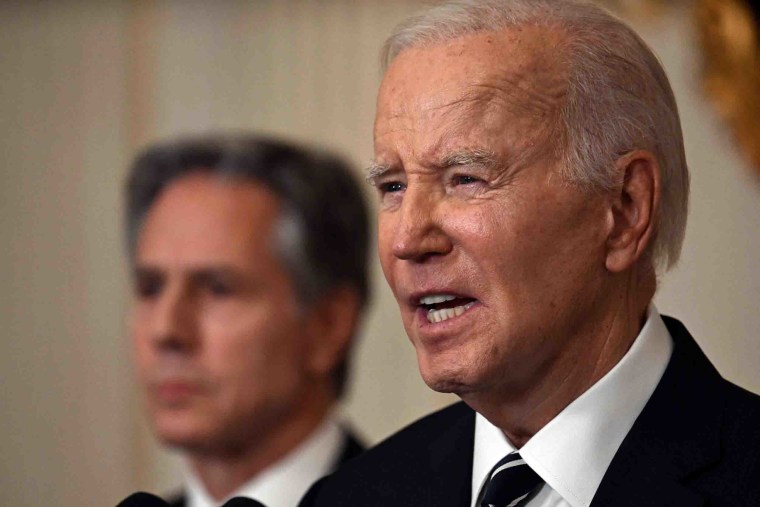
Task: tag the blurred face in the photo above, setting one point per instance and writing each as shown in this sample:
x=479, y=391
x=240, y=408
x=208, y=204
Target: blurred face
x=495, y=262
x=220, y=342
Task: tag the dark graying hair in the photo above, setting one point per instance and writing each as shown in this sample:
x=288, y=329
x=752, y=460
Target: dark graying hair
x=618, y=96
x=322, y=233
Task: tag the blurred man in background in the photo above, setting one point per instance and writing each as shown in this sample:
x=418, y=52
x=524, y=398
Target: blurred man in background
x=249, y=260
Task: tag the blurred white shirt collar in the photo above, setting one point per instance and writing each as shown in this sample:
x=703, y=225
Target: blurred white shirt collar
x=285, y=482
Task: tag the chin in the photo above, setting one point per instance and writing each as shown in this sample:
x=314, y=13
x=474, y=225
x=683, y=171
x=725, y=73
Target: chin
x=449, y=372
x=177, y=432
x=446, y=386
x=178, y=438
x=449, y=379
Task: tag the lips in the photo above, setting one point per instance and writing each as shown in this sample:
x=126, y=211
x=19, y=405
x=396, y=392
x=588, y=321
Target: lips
x=174, y=391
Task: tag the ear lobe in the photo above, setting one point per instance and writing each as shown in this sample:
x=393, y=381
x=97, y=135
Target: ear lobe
x=332, y=322
x=634, y=210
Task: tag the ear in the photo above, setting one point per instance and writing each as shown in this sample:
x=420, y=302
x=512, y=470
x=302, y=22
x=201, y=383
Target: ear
x=634, y=210
x=332, y=321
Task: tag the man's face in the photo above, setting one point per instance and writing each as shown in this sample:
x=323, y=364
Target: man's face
x=220, y=342
x=472, y=208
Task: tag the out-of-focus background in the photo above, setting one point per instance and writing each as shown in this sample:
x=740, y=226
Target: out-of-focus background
x=85, y=84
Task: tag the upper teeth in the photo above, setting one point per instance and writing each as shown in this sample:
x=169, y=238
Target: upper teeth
x=435, y=299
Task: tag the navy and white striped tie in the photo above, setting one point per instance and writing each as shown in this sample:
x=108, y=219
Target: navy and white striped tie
x=511, y=481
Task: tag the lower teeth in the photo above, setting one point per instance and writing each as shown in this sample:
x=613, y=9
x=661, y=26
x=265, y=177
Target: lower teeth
x=446, y=313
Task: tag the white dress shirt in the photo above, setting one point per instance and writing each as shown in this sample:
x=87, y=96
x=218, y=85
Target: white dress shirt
x=573, y=451
x=286, y=481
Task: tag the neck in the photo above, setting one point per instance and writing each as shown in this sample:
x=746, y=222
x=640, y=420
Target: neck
x=222, y=472
x=596, y=347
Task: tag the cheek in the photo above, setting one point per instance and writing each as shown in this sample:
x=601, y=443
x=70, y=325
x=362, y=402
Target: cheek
x=492, y=237
x=142, y=350
x=385, y=246
x=384, y=233
x=475, y=221
x=550, y=256
x=253, y=347
x=512, y=252
x=486, y=226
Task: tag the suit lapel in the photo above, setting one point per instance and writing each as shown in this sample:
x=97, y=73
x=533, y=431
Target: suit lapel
x=351, y=448
x=177, y=500
x=677, y=434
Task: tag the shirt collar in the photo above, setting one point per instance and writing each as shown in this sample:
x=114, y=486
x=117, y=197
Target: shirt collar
x=573, y=451
x=286, y=481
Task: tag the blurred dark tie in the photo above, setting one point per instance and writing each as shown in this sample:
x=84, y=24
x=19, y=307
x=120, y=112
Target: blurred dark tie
x=240, y=501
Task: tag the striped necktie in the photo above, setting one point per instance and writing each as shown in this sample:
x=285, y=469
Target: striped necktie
x=511, y=481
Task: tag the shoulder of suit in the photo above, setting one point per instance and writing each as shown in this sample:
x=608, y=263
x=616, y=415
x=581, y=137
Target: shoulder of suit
x=735, y=478
x=418, y=434
x=739, y=415
x=393, y=466
x=741, y=422
x=408, y=445
x=733, y=396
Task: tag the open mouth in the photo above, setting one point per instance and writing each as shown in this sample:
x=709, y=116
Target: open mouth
x=441, y=307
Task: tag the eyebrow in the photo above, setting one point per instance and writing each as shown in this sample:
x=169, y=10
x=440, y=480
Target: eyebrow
x=374, y=171
x=198, y=273
x=469, y=157
x=474, y=156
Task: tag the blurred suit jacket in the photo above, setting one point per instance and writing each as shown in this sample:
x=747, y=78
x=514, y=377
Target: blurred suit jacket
x=696, y=443
x=351, y=448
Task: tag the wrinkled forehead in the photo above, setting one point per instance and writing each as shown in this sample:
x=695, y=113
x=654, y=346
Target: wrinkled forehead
x=502, y=92
x=518, y=68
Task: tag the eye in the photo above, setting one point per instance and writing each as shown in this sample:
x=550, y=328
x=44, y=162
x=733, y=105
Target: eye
x=390, y=187
x=465, y=179
x=218, y=288
x=148, y=287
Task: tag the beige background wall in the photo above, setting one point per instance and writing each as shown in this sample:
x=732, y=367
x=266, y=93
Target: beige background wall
x=84, y=84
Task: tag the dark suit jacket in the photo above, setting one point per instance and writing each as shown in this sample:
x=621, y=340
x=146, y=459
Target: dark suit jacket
x=696, y=443
x=352, y=447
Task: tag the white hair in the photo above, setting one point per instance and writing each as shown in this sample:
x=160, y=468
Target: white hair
x=618, y=96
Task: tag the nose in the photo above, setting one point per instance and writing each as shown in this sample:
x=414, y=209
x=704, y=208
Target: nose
x=419, y=230
x=173, y=320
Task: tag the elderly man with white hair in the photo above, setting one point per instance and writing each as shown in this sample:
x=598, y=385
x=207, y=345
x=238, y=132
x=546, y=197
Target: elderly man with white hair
x=532, y=180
